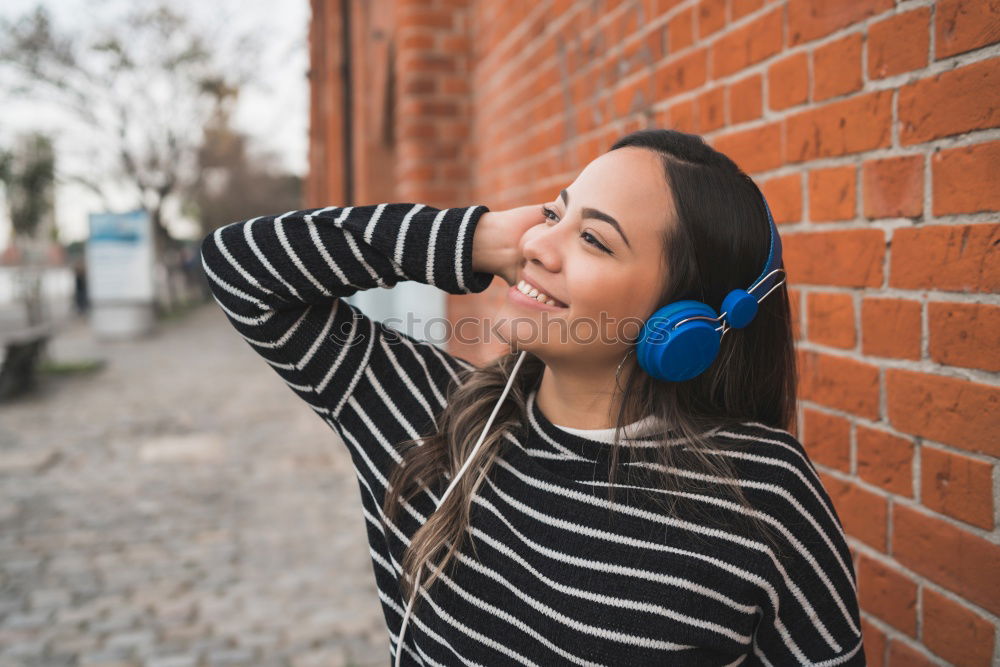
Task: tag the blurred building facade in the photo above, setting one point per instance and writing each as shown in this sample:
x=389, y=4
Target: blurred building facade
x=871, y=127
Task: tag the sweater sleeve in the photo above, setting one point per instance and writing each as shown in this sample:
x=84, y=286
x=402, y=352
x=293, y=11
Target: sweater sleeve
x=279, y=280
x=810, y=615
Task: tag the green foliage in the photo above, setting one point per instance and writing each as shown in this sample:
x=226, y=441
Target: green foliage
x=28, y=172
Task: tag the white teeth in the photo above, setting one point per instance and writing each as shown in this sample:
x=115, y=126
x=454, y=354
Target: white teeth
x=533, y=292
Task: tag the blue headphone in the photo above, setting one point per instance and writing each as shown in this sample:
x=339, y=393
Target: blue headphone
x=681, y=339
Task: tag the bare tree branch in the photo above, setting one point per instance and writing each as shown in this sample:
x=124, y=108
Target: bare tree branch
x=143, y=85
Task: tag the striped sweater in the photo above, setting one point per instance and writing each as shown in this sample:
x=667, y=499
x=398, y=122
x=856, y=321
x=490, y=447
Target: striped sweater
x=559, y=575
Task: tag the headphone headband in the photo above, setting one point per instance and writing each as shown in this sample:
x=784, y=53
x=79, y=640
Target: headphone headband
x=681, y=339
x=768, y=279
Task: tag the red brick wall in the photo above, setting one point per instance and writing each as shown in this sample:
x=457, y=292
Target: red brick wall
x=871, y=126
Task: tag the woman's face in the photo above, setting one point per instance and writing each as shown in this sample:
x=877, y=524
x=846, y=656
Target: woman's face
x=599, y=253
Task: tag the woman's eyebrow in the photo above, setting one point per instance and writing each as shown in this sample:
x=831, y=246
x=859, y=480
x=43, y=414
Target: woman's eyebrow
x=593, y=213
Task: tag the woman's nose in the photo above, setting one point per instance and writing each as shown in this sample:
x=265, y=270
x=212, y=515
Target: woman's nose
x=544, y=245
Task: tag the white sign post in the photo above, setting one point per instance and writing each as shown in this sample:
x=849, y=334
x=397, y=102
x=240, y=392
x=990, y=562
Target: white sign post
x=119, y=256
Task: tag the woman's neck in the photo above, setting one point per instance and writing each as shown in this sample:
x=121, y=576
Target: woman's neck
x=577, y=399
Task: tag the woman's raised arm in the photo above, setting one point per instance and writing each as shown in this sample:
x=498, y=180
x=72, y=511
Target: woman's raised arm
x=279, y=280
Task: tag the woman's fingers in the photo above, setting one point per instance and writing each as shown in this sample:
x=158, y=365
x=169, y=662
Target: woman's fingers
x=516, y=222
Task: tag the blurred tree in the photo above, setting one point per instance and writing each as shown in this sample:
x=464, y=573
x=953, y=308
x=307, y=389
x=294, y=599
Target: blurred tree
x=233, y=184
x=143, y=84
x=28, y=174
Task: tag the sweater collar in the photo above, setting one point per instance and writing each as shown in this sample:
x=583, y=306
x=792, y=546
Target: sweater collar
x=548, y=441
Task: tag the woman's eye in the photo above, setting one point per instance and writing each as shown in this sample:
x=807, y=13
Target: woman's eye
x=585, y=235
x=596, y=243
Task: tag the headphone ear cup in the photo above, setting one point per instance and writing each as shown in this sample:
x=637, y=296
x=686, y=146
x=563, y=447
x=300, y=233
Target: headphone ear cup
x=677, y=354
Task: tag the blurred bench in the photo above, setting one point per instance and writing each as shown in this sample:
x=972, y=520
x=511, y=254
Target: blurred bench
x=21, y=348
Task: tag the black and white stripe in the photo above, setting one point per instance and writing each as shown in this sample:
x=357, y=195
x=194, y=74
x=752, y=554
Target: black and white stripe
x=559, y=575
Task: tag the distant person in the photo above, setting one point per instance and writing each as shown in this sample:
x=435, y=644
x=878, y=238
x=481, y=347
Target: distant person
x=80, y=299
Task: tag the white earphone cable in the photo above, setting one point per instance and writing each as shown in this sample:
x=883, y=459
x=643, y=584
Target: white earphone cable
x=465, y=465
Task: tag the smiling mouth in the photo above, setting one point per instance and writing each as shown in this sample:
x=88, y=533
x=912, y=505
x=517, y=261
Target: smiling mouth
x=534, y=293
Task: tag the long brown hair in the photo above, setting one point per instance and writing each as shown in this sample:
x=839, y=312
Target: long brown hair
x=720, y=243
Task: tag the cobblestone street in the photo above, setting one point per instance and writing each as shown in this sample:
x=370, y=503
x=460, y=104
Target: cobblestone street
x=180, y=507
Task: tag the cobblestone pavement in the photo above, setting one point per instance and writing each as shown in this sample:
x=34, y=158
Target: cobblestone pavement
x=180, y=507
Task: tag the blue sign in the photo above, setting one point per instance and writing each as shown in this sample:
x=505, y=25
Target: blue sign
x=120, y=257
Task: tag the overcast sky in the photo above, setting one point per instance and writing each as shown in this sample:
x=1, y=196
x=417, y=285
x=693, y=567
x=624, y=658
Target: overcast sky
x=274, y=110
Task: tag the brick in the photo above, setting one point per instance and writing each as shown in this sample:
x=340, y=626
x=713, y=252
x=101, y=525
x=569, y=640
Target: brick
x=956, y=412
x=456, y=45
x=899, y=44
x=953, y=102
x=838, y=382
x=740, y=8
x=425, y=18
x=837, y=67
x=956, y=485
x=890, y=328
x=628, y=99
x=846, y=257
x=784, y=197
x=431, y=62
x=417, y=40
x=949, y=556
x=745, y=99
x=423, y=106
x=681, y=73
x=788, y=82
x=831, y=319
x=827, y=439
x=964, y=179
x=888, y=594
x=852, y=125
x=812, y=19
x=955, y=632
x=965, y=334
x=885, y=460
x=754, y=150
x=903, y=655
x=682, y=116
x=749, y=44
x=623, y=25
x=659, y=7
x=711, y=109
x=963, y=25
x=680, y=31
x=863, y=513
x=414, y=85
x=893, y=187
x=454, y=85
x=832, y=193
x=875, y=642
x=418, y=130
x=957, y=258
x=711, y=16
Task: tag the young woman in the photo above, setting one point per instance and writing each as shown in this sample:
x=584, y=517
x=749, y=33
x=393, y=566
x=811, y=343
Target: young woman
x=566, y=503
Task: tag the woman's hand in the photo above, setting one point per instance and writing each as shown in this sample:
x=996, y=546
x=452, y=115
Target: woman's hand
x=495, y=245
